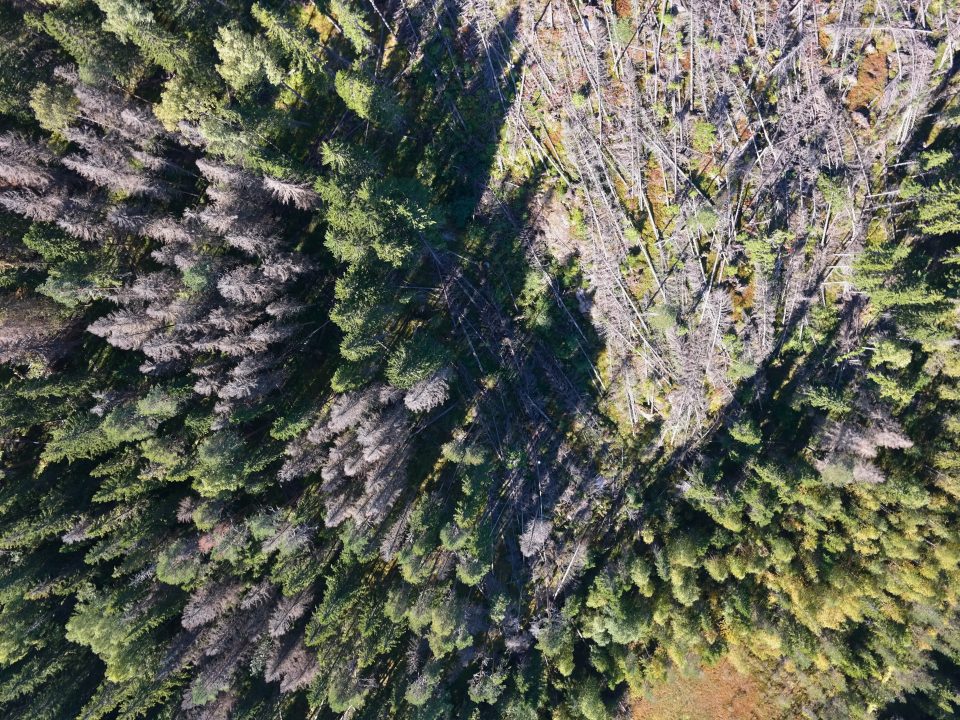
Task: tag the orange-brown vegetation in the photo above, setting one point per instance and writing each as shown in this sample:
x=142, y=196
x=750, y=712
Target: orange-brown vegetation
x=719, y=693
x=656, y=195
x=871, y=80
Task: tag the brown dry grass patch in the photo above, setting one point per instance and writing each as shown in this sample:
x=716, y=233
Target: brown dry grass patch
x=871, y=80
x=719, y=693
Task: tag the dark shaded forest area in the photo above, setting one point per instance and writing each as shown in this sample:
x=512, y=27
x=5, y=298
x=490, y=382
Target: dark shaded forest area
x=478, y=358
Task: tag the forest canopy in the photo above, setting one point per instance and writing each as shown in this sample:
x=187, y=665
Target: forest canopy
x=478, y=358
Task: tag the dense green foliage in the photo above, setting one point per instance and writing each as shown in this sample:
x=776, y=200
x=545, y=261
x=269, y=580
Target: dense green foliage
x=294, y=420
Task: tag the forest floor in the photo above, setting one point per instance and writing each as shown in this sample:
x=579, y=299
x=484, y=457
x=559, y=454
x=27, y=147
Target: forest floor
x=718, y=693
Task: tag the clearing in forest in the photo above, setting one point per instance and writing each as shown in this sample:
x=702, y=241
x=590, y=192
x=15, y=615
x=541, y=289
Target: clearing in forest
x=720, y=692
